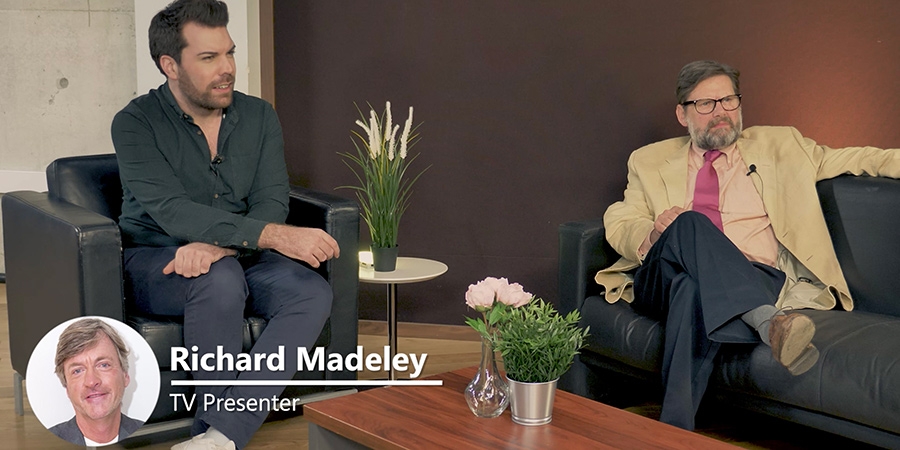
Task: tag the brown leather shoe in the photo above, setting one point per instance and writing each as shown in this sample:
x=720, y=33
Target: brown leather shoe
x=790, y=336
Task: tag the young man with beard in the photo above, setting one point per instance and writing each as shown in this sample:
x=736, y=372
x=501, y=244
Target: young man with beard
x=205, y=191
x=722, y=235
x=92, y=364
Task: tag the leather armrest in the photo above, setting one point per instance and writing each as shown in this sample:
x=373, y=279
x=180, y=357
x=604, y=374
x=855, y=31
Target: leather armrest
x=62, y=261
x=583, y=251
x=339, y=217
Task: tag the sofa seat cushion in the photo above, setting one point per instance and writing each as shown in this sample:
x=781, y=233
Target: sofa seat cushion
x=619, y=333
x=857, y=376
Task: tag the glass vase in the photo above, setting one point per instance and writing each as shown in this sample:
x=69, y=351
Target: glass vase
x=488, y=393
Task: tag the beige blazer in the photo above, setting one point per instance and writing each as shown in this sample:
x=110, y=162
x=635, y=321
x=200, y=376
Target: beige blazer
x=788, y=165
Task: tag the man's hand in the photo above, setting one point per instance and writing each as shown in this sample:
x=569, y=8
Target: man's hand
x=663, y=221
x=195, y=259
x=311, y=245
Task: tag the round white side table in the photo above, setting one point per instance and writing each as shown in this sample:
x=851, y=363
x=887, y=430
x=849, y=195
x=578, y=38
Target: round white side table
x=409, y=270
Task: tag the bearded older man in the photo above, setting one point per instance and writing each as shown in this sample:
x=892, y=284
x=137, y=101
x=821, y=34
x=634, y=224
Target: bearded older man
x=721, y=232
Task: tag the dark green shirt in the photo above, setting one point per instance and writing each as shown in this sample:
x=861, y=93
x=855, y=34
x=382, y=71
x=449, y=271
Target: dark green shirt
x=173, y=194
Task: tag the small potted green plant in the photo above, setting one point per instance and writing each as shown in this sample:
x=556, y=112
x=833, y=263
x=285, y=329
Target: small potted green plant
x=380, y=164
x=538, y=345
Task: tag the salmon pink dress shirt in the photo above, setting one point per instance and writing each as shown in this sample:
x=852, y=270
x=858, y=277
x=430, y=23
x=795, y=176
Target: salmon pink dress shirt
x=744, y=217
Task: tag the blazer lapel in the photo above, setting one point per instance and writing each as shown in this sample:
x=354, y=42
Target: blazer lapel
x=674, y=175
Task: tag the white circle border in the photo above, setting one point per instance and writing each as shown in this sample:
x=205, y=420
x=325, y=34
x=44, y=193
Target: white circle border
x=48, y=398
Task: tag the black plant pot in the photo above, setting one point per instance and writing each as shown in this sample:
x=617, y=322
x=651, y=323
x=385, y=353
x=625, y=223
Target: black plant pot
x=385, y=259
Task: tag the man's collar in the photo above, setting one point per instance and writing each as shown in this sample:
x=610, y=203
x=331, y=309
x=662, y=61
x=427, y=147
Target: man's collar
x=167, y=94
x=728, y=152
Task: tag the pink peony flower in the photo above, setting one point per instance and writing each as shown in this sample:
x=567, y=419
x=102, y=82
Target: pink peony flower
x=483, y=296
x=494, y=284
x=513, y=295
x=480, y=296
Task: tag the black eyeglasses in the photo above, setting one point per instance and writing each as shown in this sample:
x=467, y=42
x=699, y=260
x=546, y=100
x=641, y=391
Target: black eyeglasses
x=707, y=105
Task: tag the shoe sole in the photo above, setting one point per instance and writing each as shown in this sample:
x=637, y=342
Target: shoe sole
x=805, y=361
x=797, y=342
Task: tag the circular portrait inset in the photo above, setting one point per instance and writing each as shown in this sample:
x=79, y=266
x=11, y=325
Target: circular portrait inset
x=92, y=381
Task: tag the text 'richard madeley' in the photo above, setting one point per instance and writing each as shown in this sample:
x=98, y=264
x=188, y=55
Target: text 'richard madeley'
x=182, y=359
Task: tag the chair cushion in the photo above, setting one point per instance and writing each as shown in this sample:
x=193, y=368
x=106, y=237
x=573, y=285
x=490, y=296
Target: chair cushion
x=163, y=333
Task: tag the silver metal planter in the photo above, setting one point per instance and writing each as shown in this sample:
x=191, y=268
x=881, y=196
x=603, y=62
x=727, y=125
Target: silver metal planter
x=532, y=403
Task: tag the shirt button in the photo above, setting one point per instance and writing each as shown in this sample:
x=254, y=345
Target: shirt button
x=185, y=116
x=199, y=133
x=216, y=196
x=216, y=242
x=245, y=243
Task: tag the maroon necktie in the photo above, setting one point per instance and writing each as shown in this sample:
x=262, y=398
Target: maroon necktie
x=706, y=191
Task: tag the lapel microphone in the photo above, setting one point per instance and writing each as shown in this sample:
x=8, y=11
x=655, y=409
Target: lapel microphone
x=762, y=189
x=214, y=164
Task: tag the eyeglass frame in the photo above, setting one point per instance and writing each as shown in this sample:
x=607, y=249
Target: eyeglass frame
x=719, y=101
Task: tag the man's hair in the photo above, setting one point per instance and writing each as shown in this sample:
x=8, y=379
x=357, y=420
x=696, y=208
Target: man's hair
x=82, y=335
x=166, y=26
x=695, y=72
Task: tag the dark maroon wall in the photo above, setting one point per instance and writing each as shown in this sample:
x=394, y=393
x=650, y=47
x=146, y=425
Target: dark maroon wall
x=530, y=108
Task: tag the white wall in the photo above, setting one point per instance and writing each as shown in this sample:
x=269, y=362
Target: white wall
x=68, y=66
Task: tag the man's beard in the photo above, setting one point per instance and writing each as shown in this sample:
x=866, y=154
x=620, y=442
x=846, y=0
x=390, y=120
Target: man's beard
x=206, y=99
x=709, y=139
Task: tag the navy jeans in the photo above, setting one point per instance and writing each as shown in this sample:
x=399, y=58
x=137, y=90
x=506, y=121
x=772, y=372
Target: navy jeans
x=293, y=299
x=699, y=284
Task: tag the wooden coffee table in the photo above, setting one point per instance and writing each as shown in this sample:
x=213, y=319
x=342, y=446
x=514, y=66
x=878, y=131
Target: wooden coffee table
x=437, y=417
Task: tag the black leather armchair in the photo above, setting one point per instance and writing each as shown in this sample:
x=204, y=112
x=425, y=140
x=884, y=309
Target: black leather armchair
x=64, y=260
x=854, y=389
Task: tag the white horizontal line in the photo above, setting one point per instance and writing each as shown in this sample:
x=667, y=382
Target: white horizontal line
x=308, y=383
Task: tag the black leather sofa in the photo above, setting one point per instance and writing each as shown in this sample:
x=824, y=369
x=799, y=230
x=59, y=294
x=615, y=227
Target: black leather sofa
x=854, y=389
x=64, y=259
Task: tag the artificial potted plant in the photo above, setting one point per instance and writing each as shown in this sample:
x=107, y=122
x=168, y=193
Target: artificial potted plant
x=384, y=190
x=538, y=345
